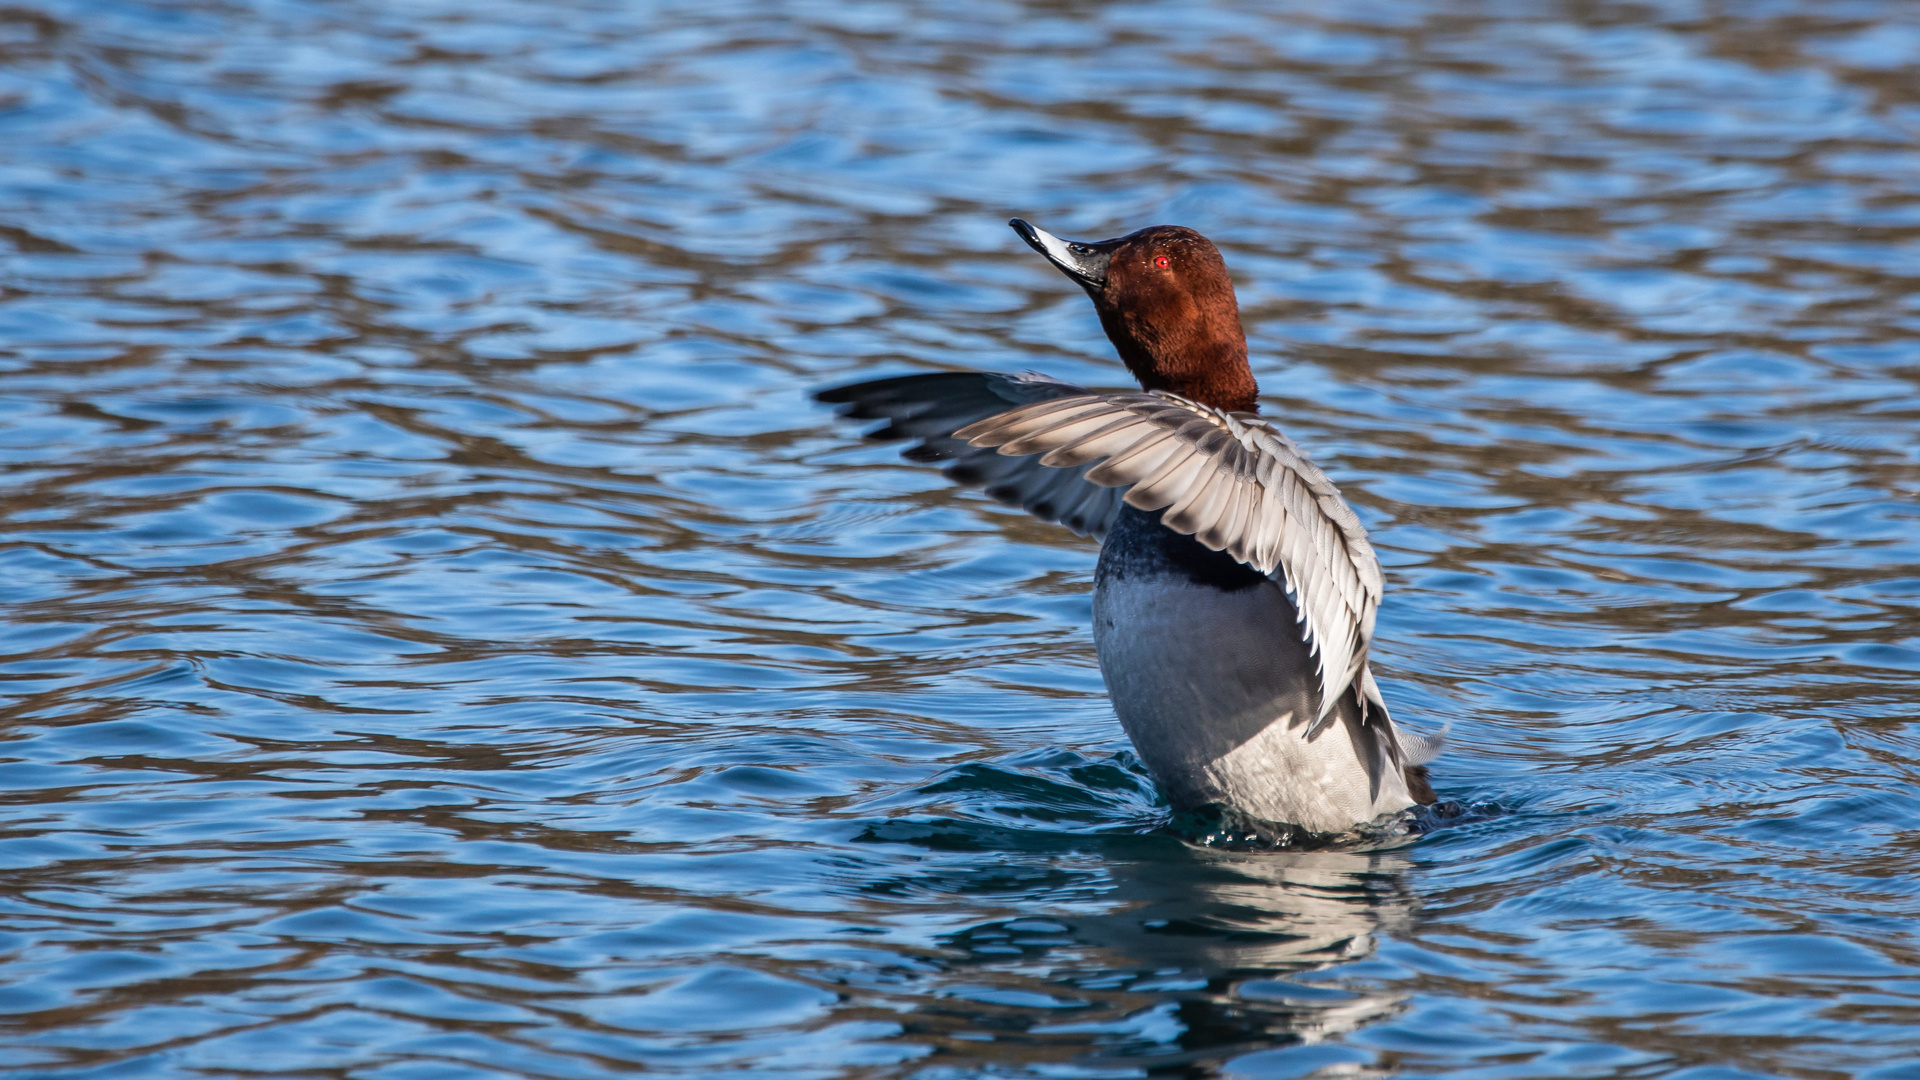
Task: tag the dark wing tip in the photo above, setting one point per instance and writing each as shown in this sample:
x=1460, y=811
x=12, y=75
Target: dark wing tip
x=934, y=407
x=873, y=398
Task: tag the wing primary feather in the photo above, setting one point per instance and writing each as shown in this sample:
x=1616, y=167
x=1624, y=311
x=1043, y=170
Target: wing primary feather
x=1093, y=507
x=1229, y=530
x=1170, y=482
x=1113, y=438
x=1195, y=513
x=1070, y=429
x=1010, y=425
x=1139, y=461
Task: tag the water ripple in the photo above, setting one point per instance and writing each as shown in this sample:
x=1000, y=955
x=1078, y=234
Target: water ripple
x=442, y=638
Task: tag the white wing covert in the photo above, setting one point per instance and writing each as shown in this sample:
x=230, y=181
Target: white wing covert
x=1234, y=483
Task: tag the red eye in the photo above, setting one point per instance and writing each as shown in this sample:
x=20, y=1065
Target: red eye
x=1162, y=261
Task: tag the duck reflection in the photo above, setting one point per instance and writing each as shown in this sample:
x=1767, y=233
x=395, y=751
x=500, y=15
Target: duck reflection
x=1188, y=956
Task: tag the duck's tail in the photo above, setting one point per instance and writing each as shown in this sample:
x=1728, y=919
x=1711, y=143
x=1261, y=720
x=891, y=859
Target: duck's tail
x=1415, y=752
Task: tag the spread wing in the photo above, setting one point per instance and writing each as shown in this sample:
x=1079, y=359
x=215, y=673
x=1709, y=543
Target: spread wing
x=1232, y=482
x=932, y=407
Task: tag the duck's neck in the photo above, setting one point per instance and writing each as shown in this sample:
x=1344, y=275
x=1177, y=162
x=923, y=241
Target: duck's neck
x=1206, y=363
x=1222, y=381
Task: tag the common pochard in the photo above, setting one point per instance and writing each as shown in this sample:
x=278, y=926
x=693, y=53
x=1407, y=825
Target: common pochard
x=1234, y=599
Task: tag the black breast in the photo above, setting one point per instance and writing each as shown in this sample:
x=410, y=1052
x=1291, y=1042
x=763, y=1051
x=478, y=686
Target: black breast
x=1139, y=547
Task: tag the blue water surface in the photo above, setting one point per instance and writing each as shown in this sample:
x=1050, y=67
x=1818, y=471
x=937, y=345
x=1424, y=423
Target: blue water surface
x=441, y=639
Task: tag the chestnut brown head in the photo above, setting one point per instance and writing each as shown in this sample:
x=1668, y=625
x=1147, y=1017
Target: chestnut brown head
x=1167, y=304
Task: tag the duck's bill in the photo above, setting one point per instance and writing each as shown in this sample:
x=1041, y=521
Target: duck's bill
x=1085, y=263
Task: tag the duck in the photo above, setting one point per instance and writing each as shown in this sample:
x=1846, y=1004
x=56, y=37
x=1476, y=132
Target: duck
x=1236, y=592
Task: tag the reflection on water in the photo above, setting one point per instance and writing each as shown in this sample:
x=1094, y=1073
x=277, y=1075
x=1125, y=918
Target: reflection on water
x=441, y=638
x=1194, y=955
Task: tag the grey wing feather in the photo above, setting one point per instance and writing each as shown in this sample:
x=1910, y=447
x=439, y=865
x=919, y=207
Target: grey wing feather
x=1236, y=484
x=931, y=407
